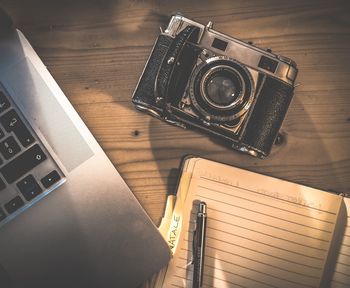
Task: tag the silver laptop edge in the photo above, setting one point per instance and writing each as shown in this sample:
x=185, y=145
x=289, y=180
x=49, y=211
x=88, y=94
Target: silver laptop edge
x=90, y=231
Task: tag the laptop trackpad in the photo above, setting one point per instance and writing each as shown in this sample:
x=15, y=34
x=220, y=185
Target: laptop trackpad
x=38, y=103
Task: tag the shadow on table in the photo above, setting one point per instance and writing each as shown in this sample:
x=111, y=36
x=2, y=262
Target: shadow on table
x=292, y=158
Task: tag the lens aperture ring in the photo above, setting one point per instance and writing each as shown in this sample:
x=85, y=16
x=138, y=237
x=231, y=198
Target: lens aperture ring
x=221, y=89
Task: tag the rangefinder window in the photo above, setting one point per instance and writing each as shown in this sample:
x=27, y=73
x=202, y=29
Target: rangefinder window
x=219, y=44
x=268, y=64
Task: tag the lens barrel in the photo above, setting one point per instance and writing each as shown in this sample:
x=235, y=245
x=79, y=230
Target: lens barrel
x=221, y=89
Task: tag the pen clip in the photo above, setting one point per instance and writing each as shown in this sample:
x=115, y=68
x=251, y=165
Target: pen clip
x=194, y=243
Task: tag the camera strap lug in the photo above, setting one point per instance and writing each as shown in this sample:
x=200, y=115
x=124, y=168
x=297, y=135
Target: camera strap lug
x=209, y=25
x=206, y=123
x=159, y=101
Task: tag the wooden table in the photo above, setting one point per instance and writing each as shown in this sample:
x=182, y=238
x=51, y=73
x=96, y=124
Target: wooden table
x=96, y=51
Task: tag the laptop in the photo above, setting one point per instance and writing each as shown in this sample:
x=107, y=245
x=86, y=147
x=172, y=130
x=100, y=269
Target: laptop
x=67, y=218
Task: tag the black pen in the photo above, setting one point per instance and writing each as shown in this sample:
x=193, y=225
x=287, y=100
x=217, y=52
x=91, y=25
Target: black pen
x=199, y=245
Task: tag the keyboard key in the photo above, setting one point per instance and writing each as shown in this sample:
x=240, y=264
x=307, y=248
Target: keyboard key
x=24, y=136
x=2, y=214
x=14, y=204
x=29, y=187
x=2, y=184
x=13, y=123
x=50, y=179
x=2, y=134
x=9, y=148
x=4, y=103
x=23, y=163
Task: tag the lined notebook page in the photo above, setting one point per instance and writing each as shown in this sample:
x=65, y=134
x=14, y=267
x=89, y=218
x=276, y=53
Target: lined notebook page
x=261, y=231
x=341, y=276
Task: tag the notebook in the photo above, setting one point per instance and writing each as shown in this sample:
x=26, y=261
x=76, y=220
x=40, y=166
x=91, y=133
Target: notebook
x=261, y=231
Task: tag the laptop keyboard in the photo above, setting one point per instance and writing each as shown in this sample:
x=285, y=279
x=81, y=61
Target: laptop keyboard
x=26, y=169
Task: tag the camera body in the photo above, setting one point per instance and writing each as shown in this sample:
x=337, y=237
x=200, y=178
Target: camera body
x=198, y=77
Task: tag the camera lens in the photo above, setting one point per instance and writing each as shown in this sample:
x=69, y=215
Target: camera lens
x=222, y=88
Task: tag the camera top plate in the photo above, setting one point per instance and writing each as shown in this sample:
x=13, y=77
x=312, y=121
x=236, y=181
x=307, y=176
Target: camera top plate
x=277, y=66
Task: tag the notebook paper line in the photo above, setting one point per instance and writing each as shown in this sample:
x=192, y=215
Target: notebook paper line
x=262, y=223
x=259, y=211
x=279, y=228
x=258, y=271
x=342, y=273
x=342, y=263
x=341, y=276
x=262, y=243
x=257, y=281
x=256, y=261
x=279, y=218
x=224, y=280
x=273, y=197
x=346, y=245
x=266, y=254
x=259, y=242
x=264, y=273
x=271, y=206
x=270, y=245
x=204, y=285
x=340, y=282
x=259, y=232
x=262, y=233
x=242, y=276
x=265, y=234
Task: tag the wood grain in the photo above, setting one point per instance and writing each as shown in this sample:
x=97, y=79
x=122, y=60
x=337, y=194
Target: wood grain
x=96, y=51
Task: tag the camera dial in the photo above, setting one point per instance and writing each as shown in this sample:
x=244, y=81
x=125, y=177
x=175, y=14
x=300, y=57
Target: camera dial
x=221, y=89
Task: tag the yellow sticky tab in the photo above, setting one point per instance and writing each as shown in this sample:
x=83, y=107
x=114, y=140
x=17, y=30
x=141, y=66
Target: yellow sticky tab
x=169, y=208
x=166, y=220
x=176, y=219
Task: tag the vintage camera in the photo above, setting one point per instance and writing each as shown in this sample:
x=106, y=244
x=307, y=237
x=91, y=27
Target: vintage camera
x=198, y=77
